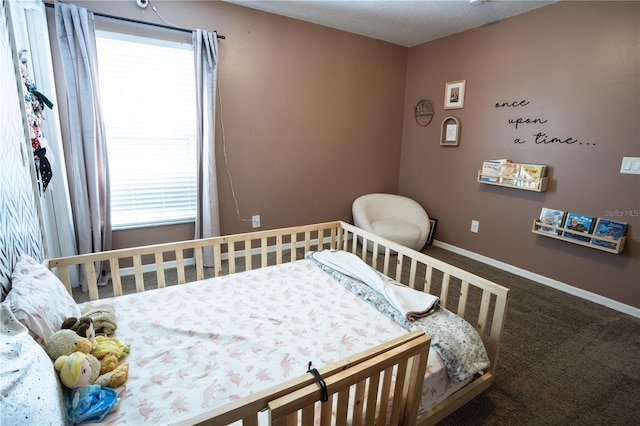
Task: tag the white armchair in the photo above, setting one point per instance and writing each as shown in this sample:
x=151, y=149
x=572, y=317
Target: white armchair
x=397, y=218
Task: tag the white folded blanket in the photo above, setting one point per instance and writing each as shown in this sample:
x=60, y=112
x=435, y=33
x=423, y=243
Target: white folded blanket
x=413, y=304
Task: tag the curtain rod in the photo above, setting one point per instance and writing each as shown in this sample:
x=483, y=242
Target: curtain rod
x=135, y=21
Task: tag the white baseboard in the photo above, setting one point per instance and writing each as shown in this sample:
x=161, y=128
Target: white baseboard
x=587, y=295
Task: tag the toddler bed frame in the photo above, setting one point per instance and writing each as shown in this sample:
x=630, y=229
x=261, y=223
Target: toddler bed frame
x=481, y=302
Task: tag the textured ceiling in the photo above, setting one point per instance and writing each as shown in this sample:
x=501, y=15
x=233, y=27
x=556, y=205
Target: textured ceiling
x=404, y=22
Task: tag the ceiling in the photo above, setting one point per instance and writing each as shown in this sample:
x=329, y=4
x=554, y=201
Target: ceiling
x=404, y=22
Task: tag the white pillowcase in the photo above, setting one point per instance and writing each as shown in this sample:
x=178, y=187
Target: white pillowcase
x=38, y=299
x=30, y=393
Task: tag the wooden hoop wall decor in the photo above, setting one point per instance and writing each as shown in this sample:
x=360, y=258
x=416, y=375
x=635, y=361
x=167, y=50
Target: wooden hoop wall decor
x=423, y=113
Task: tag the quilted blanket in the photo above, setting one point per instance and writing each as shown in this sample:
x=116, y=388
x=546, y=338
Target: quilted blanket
x=452, y=337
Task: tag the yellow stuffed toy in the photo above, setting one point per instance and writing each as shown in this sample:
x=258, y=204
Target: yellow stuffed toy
x=66, y=342
x=109, y=350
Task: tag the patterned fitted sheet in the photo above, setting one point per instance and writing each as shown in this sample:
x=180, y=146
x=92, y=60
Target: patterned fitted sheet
x=198, y=346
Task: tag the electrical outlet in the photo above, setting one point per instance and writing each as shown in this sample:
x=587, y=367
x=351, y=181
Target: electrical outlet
x=474, y=226
x=255, y=221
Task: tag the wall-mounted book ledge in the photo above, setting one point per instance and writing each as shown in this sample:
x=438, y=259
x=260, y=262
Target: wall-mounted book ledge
x=503, y=172
x=536, y=185
x=581, y=238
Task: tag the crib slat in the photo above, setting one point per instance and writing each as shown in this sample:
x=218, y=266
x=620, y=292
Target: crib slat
x=291, y=419
x=92, y=283
x=444, y=291
x=342, y=407
x=137, y=267
x=278, y=250
x=427, y=278
x=217, y=260
x=294, y=252
x=180, y=266
x=412, y=273
x=385, y=269
x=497, y=323
x=396, y=410
x=374, y=255
x=115, y=277
x=308, y=414
x=399, y=261
x=462, y=302
x=385, y=392
x=160, y=270
x=326, y=411
x=307, y=241
x=63, y=275
x=372, y=396
x=197, y=254
x=320, y=240
x=231, y=259
x=484, y=312
x=358, y=409
x=263, y=251
x=248, y=258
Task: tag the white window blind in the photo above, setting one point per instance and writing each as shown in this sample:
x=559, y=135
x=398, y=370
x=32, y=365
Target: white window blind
x=148, y=101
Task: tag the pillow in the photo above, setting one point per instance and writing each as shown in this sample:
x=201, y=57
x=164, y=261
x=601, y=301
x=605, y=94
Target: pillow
x=38, y=299
x=30, y=392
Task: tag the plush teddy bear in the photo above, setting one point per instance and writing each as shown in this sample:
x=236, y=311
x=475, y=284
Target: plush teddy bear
x=109, y=350
x=66, y=342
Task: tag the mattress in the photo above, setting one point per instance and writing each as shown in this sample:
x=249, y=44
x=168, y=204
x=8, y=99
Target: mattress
x=198, y=346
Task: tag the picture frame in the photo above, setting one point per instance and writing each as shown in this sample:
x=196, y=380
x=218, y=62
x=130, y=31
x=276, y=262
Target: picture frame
x=450, y=132
x=432, y=230
x=454, y=93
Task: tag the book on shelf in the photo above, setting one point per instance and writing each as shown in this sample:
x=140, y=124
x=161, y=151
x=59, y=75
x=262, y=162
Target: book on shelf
x=609, y=230
x=510, y=170
x=532, y=172
x=494, y=179
x=580, y=224
x=492, y=167
x=551, y=217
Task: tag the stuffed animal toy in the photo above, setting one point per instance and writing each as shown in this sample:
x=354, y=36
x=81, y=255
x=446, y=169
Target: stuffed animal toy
x=66, y=342
x=84, y=402
x=109, y=350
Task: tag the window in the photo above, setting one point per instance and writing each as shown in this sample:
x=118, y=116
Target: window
x=148, y=102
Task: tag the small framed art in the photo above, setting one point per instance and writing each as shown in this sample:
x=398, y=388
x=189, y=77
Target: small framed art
x=454, y=94
x=432, y=230
x=450, y=132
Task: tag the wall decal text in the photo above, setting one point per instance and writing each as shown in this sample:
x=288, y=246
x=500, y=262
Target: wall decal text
x=512, y=104
x=519, y=121
x=539, y=138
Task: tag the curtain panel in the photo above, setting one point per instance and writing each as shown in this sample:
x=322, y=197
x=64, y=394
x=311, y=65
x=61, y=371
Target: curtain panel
x=205, y=44
x=85, y=149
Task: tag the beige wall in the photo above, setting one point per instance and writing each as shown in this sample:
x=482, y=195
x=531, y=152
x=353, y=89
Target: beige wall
x=312, y=116
x=577, y=64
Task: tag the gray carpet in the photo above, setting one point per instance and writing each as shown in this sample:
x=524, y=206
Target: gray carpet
x=563, y=360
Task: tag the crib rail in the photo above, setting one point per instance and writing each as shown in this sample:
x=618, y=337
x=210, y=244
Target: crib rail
x=226, y=255
x=378, y=398
x=481, y=302
x=412, y=346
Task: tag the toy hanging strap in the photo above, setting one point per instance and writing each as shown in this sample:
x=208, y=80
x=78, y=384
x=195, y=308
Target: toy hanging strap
x=324, y=393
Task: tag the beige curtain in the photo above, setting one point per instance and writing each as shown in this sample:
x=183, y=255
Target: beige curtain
x=205, y=46
x=85, y=149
